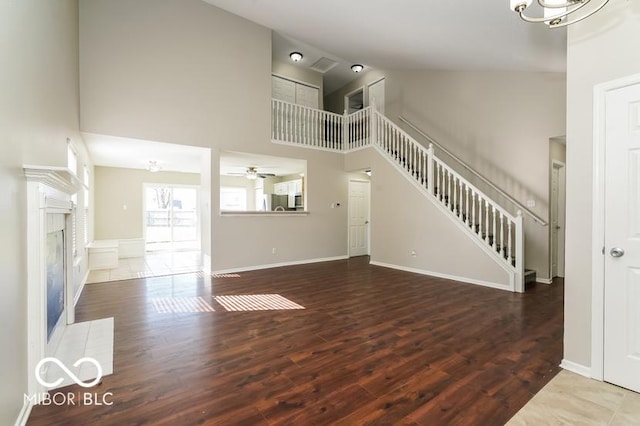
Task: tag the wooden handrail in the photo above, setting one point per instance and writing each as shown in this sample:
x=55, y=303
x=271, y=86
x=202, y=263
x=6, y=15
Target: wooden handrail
x=521, y=206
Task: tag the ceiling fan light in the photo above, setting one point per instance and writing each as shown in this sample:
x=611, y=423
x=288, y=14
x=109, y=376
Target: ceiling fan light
x=251, y=173
x=357, y=68
x=296, y=56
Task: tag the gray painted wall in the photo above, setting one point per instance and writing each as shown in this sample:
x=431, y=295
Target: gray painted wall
x=404, y=220
x=39, y=111
x=117, y=187
x=497, y=122
x=168, y=70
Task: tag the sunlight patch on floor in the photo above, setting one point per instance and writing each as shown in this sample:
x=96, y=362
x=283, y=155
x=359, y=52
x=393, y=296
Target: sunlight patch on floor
x=256, y=302
x=166, y=305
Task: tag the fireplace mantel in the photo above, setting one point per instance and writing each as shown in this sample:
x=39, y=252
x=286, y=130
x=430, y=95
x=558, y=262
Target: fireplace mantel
x=59, y=178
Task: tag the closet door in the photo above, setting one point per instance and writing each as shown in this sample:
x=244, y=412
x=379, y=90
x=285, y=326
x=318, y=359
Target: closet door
x=307, y=96
x=284, y=90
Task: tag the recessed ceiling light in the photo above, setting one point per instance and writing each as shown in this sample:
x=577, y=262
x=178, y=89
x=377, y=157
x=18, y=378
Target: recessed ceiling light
x=296, y=56
x=357, y=67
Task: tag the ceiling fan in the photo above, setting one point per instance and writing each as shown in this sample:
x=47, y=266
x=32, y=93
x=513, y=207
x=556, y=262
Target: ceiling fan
x=252, y=173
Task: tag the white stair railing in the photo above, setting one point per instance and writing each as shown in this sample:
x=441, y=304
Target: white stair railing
x=291, y=123
x=495, y=229
x=357, y=129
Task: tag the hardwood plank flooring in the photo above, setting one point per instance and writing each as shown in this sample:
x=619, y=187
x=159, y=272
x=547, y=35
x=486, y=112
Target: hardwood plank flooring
x=373, y=346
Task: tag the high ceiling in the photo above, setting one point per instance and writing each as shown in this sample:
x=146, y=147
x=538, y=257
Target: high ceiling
x=380, y=34
x=413, y=34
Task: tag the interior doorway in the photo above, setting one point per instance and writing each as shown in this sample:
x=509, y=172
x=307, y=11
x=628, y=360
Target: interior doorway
x=354, y=101
x=558, y=205
x=359, y=208
x=171, y=217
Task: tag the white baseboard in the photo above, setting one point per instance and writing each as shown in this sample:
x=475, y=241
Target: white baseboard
x=24, y=413
x=277, y=265
x=544, y=280
x=576, y=368
x=441, y=275
x=82, y=284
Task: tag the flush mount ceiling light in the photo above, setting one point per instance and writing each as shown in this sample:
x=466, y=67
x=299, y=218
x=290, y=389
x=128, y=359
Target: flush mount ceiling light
x=153, y=166
x=357, y=67
x=296, y=56
x=559, y=13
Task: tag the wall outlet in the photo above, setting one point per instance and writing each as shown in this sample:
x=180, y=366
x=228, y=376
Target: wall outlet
x=531, y=203
x=273, y=250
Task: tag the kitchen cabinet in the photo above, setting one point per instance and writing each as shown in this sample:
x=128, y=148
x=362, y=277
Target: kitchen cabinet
x=289, y=187
x=281, y=188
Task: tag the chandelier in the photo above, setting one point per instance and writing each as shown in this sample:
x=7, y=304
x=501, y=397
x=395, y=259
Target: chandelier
x=559, y=13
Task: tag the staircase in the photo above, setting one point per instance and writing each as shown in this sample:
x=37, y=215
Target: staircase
x=491, y=226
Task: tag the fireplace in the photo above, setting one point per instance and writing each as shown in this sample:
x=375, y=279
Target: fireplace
x=49, y=272
x=55, y=280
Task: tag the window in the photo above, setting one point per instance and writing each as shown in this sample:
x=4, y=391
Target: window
x=72, y=158
x=85, y=181
x=232, y=198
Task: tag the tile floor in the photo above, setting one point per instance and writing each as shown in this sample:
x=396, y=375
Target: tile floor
x=570, y=399
x=153, y=264
x=83, y=339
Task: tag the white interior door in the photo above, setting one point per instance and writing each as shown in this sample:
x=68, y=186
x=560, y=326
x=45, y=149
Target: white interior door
x=376, y=94
x=622, y=238
x=359, y=192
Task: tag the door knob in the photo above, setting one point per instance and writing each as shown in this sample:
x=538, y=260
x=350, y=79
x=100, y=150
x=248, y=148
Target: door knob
x=616, y=252
x=366, y=222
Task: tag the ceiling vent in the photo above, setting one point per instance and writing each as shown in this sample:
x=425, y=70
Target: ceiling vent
x=323, y=65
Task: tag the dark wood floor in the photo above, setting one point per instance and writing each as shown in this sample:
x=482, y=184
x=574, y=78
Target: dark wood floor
x=373, y=346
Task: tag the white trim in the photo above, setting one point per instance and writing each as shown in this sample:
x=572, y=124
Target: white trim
x=25, y=412
x=441, y=275
x=206, y=263
x=598, y=222
x=351, y=93
x=544, y=280
x=299, y=145
x=82, y=284
x=574, y=367
x=278, y=265
x=556, y=164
